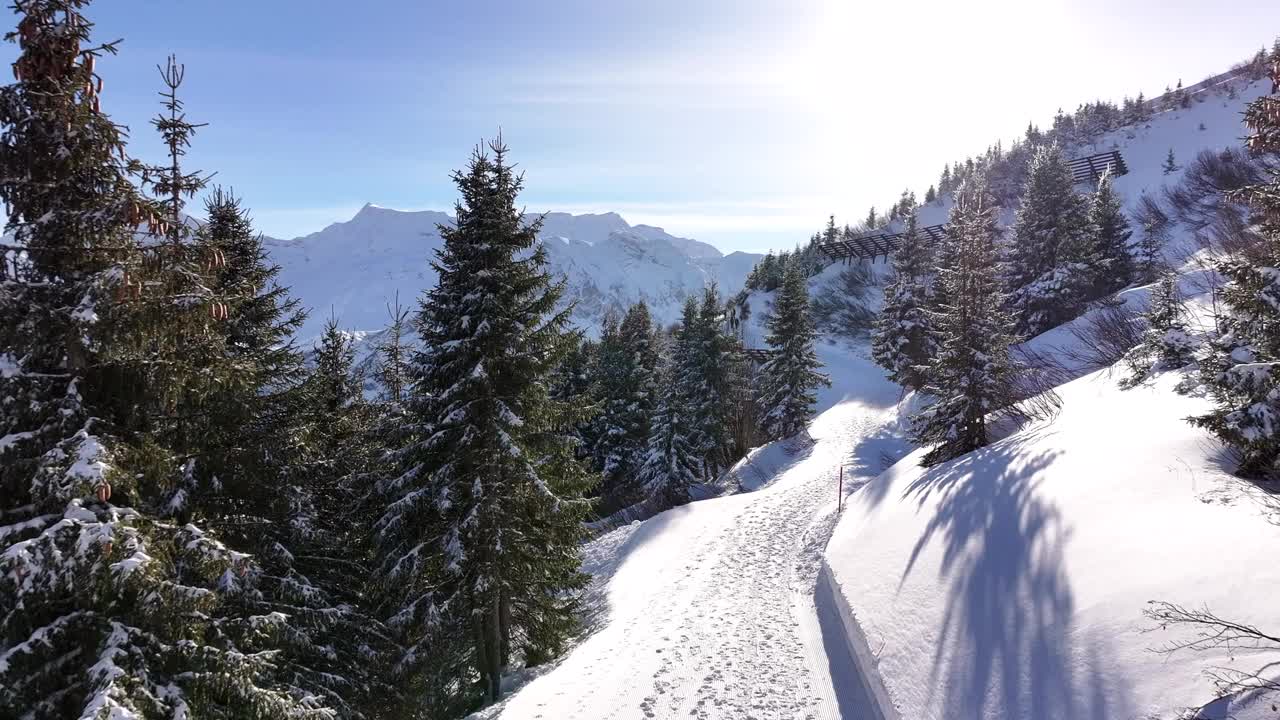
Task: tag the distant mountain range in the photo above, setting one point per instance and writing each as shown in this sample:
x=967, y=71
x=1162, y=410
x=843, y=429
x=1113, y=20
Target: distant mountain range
x=354, y=269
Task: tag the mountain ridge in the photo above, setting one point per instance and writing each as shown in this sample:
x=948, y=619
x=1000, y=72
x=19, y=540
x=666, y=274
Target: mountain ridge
x=355, y=268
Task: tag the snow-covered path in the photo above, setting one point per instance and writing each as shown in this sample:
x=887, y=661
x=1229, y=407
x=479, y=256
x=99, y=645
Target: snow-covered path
x=710, y=607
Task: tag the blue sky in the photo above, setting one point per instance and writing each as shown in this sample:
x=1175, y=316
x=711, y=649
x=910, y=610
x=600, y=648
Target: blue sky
x=738, y=122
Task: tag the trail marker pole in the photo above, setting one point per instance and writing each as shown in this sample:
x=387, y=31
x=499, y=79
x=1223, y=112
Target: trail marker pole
x=840, y=490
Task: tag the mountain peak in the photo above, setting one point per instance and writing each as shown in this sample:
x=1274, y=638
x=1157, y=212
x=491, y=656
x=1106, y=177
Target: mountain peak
x=370, y=209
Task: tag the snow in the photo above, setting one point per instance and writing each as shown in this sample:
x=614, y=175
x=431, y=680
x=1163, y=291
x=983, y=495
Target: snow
x=9, y=366
x=1010, y=582
x=707, y=610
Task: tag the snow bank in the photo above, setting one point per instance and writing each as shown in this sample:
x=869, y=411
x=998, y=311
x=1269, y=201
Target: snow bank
x=1009, y=583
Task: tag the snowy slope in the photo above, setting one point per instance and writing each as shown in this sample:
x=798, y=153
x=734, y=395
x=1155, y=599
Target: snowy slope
x=355, y=268
x=1009, y=583
x=1144, y=146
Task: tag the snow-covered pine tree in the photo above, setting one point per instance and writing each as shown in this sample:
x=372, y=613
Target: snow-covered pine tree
x=625, y=367
x=287, y=460
x=902, y=341
x=478, y=545
x=715, y=365
x=1108, y=260
x=107, y=607
x=316, y=546
x=1148, y=257
x=392, y=369
x=263, y=480
x=1170, y=163
x=1165, y=344
x=1243, y=369
x=671, y=463
x=572, y=383
x=248, y=428
x=791, y=374
x=972, y=375
x=1043, y=272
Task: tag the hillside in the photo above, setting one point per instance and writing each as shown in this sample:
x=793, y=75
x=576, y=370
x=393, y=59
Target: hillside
x=1008, y=583
x=355, y=268
x=1011, y=582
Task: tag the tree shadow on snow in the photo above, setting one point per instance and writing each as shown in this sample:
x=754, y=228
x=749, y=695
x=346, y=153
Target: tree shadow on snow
x=1264, y=492
x=1007, y=646
x=873, y=454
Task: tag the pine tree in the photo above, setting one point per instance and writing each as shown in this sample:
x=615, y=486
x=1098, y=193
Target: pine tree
x=573, y=383
x=1165, y=344
x=930, y=195
x=1243, y=369
x=392, y=369
x=277, y=476
x=1170, y=163
x=902, y=341
x=291, y=455
x=971, y=377
x=671, y=463
x=247, y=432
x=478, y=544
x=318, y=547
x=1108, y=260
x=791, y=374
x=714, y=368
x=624, y=384
x=1044, y=268
x=108, y=607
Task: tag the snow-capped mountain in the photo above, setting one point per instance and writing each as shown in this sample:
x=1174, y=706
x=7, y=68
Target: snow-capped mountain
x=354, y=269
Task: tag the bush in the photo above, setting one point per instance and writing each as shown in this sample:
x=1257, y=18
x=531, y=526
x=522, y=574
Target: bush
x=1105, y=336
x=1198, y=200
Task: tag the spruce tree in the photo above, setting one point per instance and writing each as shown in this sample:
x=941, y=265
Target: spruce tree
x=1243, y=369
x=625, y=368
x=714, y=368
x=1108, y=259
x=1170, y=163
x=392, y=369
x=1045, y=272
x=573, y=383
x=108, y=606
x=318, y=547
x=971, y=378
x=791, y=374
x=479, y=542
x=1165, y=344
x=671, y=464
x=902, y=341
x=264, y=481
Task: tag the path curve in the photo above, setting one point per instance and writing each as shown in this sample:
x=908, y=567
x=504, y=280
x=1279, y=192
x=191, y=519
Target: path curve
x=710, y=607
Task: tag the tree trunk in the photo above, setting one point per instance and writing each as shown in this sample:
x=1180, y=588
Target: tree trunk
x=493, y=646
x=504, y=628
